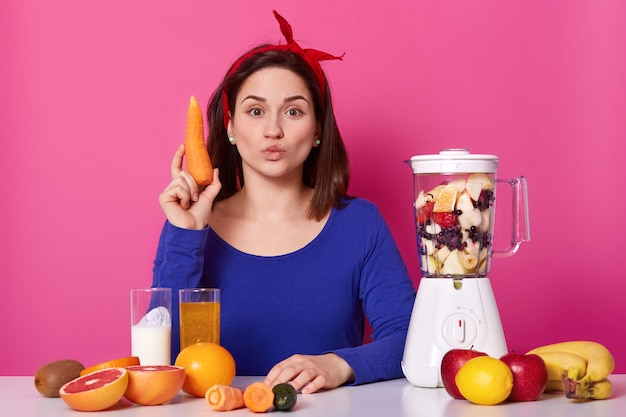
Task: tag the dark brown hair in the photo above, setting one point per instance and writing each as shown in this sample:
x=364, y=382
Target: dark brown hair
x=326, y=169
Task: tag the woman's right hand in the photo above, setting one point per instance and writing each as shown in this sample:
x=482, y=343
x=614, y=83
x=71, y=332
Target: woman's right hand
x=183, y=203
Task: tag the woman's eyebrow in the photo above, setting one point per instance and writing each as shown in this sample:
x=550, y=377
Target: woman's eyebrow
x=253, y=97
x=294, y=98
x=264, y=100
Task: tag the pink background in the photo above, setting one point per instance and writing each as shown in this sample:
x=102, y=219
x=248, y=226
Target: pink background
x=93, y=103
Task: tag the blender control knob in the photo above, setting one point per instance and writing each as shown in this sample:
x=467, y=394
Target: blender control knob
x=459, y=330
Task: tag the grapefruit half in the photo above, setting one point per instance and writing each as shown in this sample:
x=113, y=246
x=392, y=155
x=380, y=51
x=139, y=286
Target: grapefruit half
x=95, y=391
x=154, y=385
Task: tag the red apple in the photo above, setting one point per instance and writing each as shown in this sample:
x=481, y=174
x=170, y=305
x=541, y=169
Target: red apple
x=450, y=365
x=530, y=376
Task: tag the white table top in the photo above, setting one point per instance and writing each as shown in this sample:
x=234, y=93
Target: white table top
x=18, y=397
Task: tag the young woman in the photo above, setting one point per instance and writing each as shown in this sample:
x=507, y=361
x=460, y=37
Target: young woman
x=300, y=263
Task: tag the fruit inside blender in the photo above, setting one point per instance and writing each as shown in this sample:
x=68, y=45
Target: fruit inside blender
x=454, y=218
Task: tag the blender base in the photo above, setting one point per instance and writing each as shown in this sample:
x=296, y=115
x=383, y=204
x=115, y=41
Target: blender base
x=445, y=317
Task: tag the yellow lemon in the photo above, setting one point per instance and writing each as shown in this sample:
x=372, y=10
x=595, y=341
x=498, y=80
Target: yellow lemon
x=485, y=380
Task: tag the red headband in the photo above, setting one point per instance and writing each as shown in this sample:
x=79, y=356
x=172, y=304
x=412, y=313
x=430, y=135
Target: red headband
x=311, y=56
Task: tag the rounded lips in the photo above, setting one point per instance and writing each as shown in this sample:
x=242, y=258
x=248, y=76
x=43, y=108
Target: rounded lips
x=273, y=149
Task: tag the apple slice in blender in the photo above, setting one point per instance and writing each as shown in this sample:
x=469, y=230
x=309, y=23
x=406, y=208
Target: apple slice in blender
x=474, y=188
x=482, y=178
x=429, y=246
x=420, y=200
x=442, y=253
x=433, y=228
x=464, y=203
x=482, y=266
x=433, y=265
x=453, y=265
x=469, y=216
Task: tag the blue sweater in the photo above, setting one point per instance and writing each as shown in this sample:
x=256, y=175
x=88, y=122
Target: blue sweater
x=311, y=301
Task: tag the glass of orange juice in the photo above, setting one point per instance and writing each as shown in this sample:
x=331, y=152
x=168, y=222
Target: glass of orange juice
x=199, y=315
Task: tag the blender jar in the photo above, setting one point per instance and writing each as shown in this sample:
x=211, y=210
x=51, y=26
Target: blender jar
x=455, y=194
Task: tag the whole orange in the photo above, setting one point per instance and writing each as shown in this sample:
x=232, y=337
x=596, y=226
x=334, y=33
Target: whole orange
x=206, y=364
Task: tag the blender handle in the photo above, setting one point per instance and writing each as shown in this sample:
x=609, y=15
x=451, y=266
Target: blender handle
x=521, y=227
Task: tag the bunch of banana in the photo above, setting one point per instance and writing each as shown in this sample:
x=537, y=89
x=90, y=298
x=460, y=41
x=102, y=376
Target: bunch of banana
x=580, y=368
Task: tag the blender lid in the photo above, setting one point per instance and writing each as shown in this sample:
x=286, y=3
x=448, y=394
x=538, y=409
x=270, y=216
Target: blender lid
x=452, y=161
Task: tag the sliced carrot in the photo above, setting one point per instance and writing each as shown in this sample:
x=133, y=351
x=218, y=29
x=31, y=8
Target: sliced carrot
x=224, y=397
x=258, y=397
x=196, y=153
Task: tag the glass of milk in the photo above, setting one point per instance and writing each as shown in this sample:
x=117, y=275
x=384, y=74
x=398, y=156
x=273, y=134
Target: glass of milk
x=151, y=325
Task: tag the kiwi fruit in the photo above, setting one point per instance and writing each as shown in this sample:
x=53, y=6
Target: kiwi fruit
x=52, y=376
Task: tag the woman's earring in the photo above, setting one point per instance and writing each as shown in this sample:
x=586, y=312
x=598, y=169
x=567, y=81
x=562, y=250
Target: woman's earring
x=317, y=142
x=231, y=139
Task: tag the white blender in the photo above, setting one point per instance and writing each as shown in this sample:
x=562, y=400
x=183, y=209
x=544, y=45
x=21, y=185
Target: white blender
x=455, y=307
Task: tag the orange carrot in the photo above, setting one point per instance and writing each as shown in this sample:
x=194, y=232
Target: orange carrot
x=197, y=156
x=258, y=397
x=224, y=397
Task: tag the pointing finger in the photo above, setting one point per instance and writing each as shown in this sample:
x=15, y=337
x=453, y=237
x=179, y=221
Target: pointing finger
x=177, y=161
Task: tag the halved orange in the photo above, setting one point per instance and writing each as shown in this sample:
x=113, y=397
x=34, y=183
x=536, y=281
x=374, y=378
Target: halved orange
x=113, y=363
x=445, y=199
